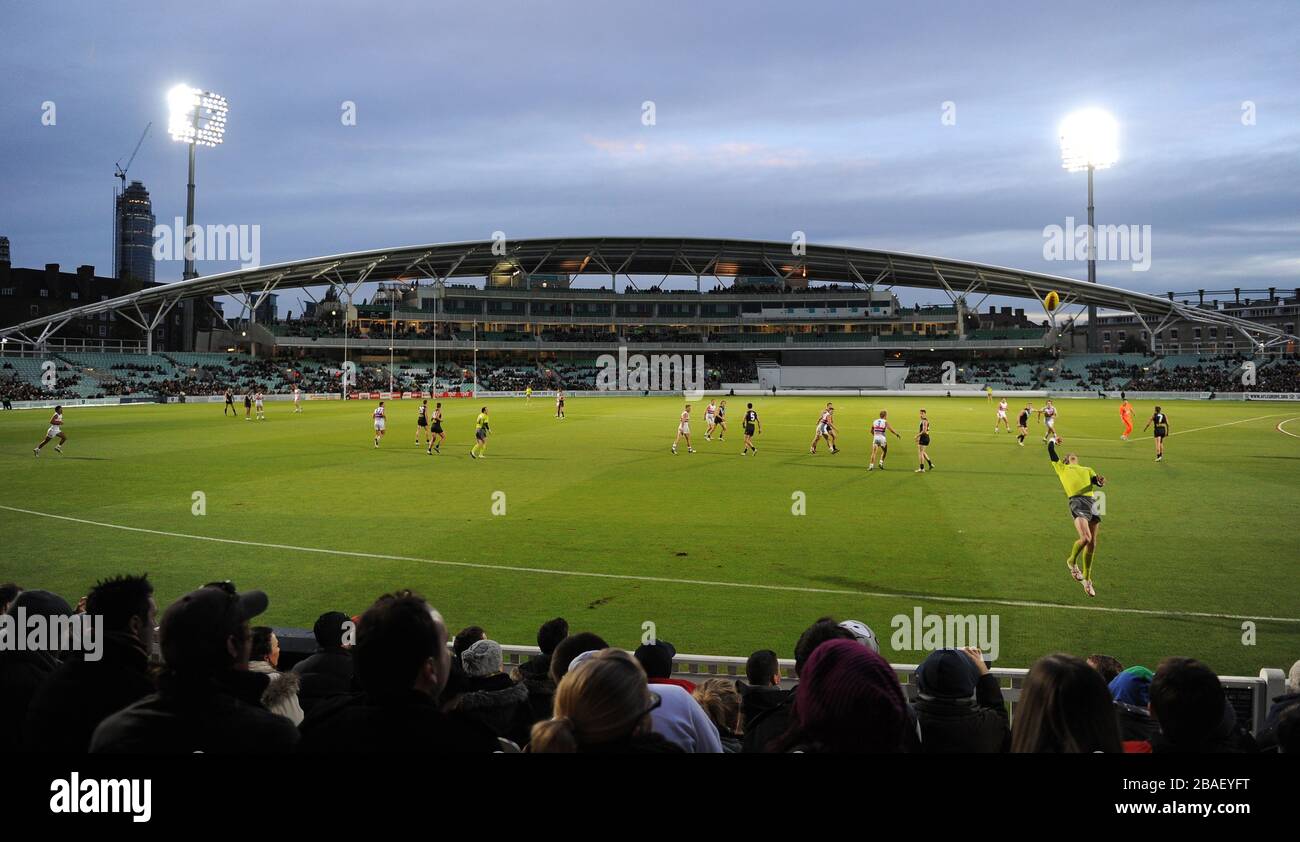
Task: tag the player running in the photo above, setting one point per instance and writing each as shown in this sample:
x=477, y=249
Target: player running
x=922, y=442
x=720, y=419
x=710, y=420
x=437, y=436
x=751, y=422
x=825, y=429
x=55, y=431
x=380, y=418
x=230, y=404
x=559, y=404
x=880, y=444
x=1048, y=414
x=1001, y=421
x=422, y=423
x=1079, y=483
x=684, y=430
x=1161, y=422
x=480, y=435
x=1022, y=423
x=1126, y=416
x=297, y=399
x=258, y=406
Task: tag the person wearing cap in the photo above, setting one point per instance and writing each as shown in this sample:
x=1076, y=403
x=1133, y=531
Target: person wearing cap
x=81, y=692
x=849, y=701
x=959, y=706
x=22, y=671
x=207, y=700
x=492, y=697
x=329, y=671
x=657, y=660
x=402, y=665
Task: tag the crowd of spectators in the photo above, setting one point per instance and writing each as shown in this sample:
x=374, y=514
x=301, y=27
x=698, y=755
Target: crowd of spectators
x=199, y=677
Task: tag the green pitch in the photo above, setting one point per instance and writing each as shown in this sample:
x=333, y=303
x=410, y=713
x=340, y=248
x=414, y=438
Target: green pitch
x=708, y=546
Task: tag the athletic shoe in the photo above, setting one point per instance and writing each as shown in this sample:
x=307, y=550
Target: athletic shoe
x=674, y=450
x=931, y=467
x=1021, y=443
x=919, y=471
x=471, y=455
x=430, y=452
x=690, y=450
x=36, y=451
x=871, y=467
x=1088, y=589
x=58, y=448
x=1074, y=570
x=1160, y=458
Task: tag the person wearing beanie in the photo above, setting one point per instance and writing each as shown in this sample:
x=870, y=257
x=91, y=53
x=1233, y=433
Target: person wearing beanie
x=849, y=701
x=1131, y=690
x=959, y=705
x=22, y=671
x=657, y=659
x=491, y=697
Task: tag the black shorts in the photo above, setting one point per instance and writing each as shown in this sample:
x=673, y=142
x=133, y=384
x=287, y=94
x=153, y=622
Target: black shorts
x=421, y=421
x=481, y=433
x=749, y=429
x=1161, y=432
x=229, y=402
x=437, y=426
x=1082, y=506
x=924, y=439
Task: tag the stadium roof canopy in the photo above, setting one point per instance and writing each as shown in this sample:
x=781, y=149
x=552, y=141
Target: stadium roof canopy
x=648, y=256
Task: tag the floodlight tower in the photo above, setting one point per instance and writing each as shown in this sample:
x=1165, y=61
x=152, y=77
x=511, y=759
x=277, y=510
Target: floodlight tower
x=197, y=118
x=1090, y=141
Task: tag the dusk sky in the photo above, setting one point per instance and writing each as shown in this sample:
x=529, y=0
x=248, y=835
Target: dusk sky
x=526, y=117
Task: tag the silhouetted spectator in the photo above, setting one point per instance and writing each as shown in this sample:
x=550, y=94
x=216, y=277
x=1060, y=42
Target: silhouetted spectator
x=81, y=692
x=771, y=724
x=1064, y=708
x=1131, y=690
x=1106, y=665
x=402, y=664
x=1193, y=711
x=571, y=647
x=535, y=673
x=849, y=701
x=207, y=700
x=657, y=661
x=328, y=672
x=960, y=707
x=23, y=671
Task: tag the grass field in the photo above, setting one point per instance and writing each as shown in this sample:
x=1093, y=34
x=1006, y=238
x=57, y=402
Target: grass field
x=604, y=526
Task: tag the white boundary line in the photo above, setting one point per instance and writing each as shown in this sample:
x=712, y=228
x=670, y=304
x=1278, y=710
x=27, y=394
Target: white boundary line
x=1282, y=424
x=1017, y=603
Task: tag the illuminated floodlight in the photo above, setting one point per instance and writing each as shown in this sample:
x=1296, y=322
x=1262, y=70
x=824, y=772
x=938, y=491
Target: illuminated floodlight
x=196, y=117
x=1089, y=139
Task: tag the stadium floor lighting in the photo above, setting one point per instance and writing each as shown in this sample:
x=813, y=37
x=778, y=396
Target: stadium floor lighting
x=1089, y=141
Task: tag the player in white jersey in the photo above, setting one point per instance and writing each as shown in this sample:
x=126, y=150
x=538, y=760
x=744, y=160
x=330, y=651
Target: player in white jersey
x=379, y=422
x=422, y=423
x=297, y=399
x=880, y=444
x=559, y=404
x=710, y=420
x=1002, y=417
x=1048, y=414
x=257, y=404
x=684, y=430
x=825, y=429
x=55, y=431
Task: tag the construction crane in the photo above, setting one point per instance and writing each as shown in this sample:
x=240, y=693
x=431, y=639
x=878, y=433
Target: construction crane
x=121, y=170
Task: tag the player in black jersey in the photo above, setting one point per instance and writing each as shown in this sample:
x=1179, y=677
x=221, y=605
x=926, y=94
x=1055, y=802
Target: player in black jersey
x=720, y=419
x=922, y=442
x=436, y=435
x=1022, y=424
x=751, y=424
x=1161, y=422
x=230, y=404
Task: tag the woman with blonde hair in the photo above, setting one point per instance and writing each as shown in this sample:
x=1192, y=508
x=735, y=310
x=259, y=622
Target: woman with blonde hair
x=602, y=705
x=721, y=701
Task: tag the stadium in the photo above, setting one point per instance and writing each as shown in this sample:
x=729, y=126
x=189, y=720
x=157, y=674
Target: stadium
x=719, y=491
